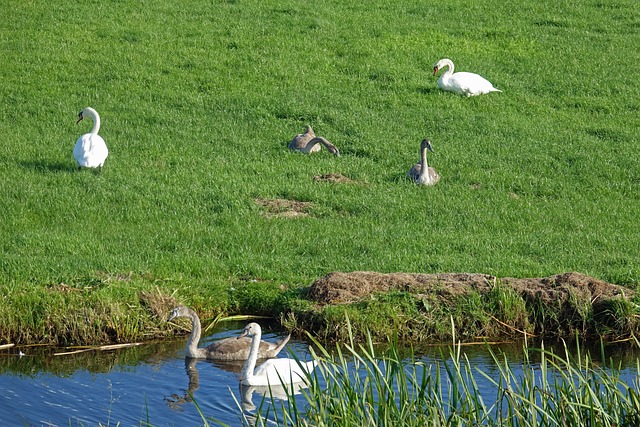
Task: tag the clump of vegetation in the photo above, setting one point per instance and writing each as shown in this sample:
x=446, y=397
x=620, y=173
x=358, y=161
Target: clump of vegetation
x=354, y=385
x=120, y=309
x=418, y=307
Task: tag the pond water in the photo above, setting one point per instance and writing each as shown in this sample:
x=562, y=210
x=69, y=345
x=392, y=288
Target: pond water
x=152, y=383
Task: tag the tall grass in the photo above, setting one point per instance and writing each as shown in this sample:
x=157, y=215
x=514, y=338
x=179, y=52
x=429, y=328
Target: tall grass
x=355, y=386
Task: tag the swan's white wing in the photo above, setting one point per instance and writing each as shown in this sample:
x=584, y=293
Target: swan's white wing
x=79, y=151
x=281, y=371
x=470, y=84
x=90, y=151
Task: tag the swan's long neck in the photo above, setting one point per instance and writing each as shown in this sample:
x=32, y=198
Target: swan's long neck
x=424, y=167
x=314, y=141
x=450, y=67
x=194, y=338
x=320, y=140
x=250, y=364
x=96, y=120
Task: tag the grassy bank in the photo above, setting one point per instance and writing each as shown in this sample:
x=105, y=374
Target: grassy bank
x=128, y=309
x=198, y=101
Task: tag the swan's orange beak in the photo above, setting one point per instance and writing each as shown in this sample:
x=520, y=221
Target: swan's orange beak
x=79, y=118
x=435, y=70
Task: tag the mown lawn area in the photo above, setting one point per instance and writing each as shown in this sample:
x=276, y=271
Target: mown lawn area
x=198, y=100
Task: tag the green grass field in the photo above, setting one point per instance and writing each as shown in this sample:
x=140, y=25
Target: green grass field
x=198, y=100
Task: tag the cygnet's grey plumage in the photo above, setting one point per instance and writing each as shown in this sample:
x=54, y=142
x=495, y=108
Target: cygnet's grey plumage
x=421, y=173
x=226, y=348
x=308, y=142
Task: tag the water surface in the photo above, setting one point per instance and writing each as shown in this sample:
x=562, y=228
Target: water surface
x=155, y=384
x=150, y=383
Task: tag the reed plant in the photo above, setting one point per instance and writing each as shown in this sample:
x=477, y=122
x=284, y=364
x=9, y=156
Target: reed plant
x=356, y=386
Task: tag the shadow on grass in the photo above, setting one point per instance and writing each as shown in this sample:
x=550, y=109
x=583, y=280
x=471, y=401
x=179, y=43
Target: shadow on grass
x=357, y=152
x=427, y=90
x=46, y=166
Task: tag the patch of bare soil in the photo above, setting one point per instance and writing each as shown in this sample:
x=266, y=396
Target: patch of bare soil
x=333, y=178
x=283, y=208
x=336, y=287
x=561, y=305
x=563, y=286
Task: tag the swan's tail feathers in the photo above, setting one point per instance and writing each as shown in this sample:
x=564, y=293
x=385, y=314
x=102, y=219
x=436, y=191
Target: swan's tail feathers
x=280, y=345
x=309, y=131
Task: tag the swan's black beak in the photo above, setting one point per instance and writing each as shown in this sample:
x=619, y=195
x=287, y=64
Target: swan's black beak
x=172, y=315
x=79, y=117
x=426, y=144
x=435, y=70
x=243, y=333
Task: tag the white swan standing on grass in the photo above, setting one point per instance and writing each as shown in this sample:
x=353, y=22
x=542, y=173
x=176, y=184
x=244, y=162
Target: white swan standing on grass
x=90, y=150
x=308, y=142
x=272, y=371
x=462, y=83
x=421, y=173
x=225, y=349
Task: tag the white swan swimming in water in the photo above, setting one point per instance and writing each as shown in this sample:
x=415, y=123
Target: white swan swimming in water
x=272, y=371
x=308, y=142
x=462, y=83
x=421, y=173
x=224, y=349
x=90, y=150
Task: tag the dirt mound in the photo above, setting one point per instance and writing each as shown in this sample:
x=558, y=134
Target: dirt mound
x=332, y=177
x=422, y=307
x=563, y=286
x=284, y=208
x=337, y=287
x=340, y=287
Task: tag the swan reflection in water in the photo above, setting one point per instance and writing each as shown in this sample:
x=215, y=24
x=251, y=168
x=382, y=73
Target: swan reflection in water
x=247, y=392
x=281, y=392
x=176, y=400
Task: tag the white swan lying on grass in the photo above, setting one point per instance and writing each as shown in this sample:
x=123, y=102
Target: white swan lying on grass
x=462, y=83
